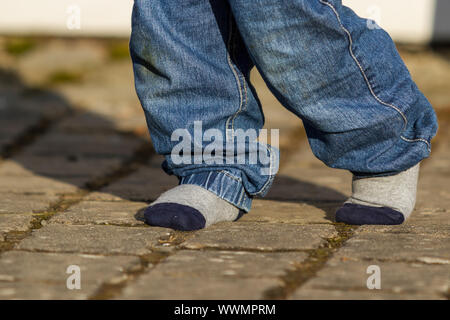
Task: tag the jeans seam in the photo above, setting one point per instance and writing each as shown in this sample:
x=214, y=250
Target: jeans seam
x=230, y=48
x=207, y=179
x=417, y=140
x=346, y=31
x=241, y=198
x=229, y=175
x=265, y=186
x=271, y=176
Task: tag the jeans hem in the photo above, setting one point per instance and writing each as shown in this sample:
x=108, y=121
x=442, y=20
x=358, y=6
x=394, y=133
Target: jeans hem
x=223, y=184
x=424, y=153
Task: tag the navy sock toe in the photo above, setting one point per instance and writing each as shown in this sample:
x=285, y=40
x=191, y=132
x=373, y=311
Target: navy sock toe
x=175, y=216
x=356, y=214
x=240, y=214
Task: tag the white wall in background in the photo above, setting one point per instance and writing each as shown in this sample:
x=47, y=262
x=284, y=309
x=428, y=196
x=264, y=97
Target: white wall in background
x=98, y=17
x=406, y=20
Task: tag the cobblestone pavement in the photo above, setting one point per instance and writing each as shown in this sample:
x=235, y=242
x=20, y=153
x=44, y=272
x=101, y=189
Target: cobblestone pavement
x=77, y=168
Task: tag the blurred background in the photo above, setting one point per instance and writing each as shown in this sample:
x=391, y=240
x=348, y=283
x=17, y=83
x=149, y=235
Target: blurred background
x=66, y=63
x=412, y=21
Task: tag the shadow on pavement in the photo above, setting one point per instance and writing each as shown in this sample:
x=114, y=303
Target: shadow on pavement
x=42, y=132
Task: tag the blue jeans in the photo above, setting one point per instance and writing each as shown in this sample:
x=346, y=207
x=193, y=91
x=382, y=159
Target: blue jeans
x=345, y=81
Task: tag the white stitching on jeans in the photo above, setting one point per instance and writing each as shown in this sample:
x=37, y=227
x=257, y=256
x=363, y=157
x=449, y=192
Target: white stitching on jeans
x=367, y=79
x=242, y=108
x=245, y=97
x=415, y=140
x=229, y=175
x=236, y=76
x=241, y=197
x=271, y=174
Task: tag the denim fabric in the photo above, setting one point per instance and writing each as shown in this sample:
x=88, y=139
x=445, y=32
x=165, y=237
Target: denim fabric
x=345, y=81
x=222, y=183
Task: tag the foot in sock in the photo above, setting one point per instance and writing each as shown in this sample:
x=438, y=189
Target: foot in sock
x=381, y=200
x=189, y=207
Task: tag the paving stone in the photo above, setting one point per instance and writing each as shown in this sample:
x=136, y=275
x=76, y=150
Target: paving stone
x=405, y=246
x=104, y=196
x=87, y=122
x=5, y=141
x=431, y=218
x=102, y=212
x=302, y=185
x=23, y=203
x=437, y=163
x=11, y=168
x=56, y=56
x=302, y=158
x=340, y=294
x=277, y=117
x=13, y=113
x=229, y=264
x=126, y=118
x=47, y=278
x=14, y=222
x=83, y=145
x=261, y=236
x=199, y=289
x=291, y=212
x=346, y=279
x=146, y=184
x=33, y=175
x=35, y=185
x=213, y=275
x=303, y=177
x=93, y=239
x=69, y=168
x=115, y=103
x=429, y=70
x=411, y=227
x=11, y=129
x=433, y=190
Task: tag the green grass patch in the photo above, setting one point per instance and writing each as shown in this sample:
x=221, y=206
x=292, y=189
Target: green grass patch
x=19, y=46
x=118, y=50
x=64, y=77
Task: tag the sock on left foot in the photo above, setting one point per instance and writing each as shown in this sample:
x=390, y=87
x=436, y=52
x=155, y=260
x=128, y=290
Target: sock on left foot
x=189, y=207
x=381, y=200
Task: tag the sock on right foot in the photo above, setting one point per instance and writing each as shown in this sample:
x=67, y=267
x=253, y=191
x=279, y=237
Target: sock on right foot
x=381, y=200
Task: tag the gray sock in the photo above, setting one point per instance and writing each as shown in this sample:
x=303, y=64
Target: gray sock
x=381, y=200
x=189, y=207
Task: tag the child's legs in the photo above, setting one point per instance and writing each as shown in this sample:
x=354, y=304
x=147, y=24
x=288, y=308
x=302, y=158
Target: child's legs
x=361, y=110
x=190, y=65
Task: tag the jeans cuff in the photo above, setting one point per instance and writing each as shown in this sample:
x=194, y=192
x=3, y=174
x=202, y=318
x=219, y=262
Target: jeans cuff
x=224, y=184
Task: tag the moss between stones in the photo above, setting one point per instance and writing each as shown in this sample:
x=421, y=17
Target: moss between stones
x=111, y=290
x=26, y=138
x=302, y=272
x=11, y=239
